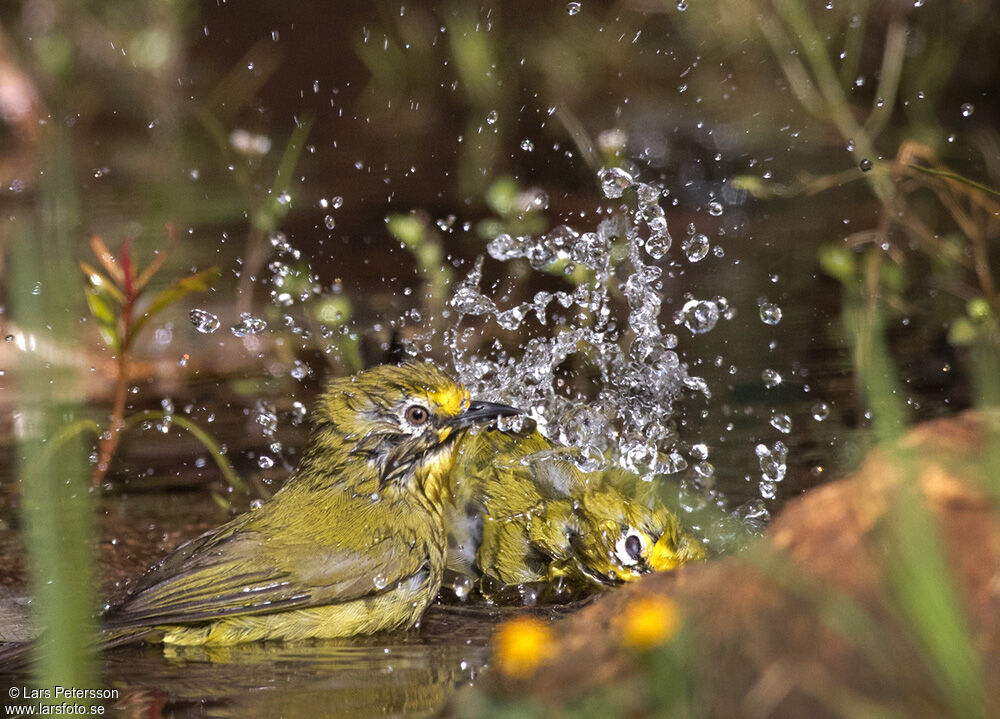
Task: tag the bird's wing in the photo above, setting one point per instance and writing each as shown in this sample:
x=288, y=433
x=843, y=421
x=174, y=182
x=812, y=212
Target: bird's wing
x=230, y=572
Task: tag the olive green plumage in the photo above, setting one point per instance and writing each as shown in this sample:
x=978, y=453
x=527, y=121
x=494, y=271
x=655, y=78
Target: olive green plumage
x=353, y=544
x=525, y=514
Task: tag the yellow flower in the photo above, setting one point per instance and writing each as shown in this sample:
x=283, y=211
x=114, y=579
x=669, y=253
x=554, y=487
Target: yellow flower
x=649, y=622
x=520, y=645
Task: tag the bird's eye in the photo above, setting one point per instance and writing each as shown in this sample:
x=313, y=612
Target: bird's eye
x=629, y=547
x=417, y=415
x=633, y=545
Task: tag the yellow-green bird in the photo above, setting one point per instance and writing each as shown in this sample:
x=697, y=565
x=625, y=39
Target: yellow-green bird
x=525, y=514
x=353, y=544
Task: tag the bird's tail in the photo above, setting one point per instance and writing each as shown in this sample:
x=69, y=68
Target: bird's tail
x=15, y=657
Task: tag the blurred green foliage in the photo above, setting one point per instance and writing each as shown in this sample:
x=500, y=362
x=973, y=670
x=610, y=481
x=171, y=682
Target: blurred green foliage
x=56, y=506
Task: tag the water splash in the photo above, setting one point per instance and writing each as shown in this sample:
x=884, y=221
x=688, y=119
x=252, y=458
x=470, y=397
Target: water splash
x=248, y=325
x=204, y=321
x=599, y=371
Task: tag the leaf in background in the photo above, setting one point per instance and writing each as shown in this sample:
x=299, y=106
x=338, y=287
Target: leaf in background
x=408, y=229
x=102, y=306
x=474, y=54
x=334, y=310
x=147, y=274
x=892, y=277
x=924, y=588
x=954, y=177
x=754, y=185
x=108, y=260
x=99, y=281
x=979, y=309
x=237, y=89
x=837, y=261
x=128, y=269
x=501, y=197
x=962, y=333
x=276, y=208
x=199, y=282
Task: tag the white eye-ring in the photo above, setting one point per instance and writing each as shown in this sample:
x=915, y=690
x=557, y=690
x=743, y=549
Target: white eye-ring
x=630, y=547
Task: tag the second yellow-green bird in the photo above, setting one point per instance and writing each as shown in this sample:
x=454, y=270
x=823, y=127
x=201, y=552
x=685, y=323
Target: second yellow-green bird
x=525, y=514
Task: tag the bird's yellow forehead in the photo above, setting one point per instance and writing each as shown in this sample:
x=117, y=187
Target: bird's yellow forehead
x=450, y=400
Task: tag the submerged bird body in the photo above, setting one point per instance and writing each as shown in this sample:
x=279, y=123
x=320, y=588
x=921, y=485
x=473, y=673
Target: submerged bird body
x=273, y=576
x=353, y=544
x=525, y=514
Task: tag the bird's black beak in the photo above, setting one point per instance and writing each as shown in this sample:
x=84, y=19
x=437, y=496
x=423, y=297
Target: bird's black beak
x=479, y=412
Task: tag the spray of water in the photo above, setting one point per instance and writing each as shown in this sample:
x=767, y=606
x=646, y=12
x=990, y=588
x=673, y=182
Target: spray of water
x=608, y=329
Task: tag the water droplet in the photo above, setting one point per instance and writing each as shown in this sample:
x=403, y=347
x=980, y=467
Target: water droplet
x=682, y=5
x=491, y=117
x=511, y=424
x=279, y=241
x=614, y=181
x=329, y=222
x=770, y=314
x=380, y=582
x=248, y=325
x=781, y=422
x=850, y=145
x=658, y=245
x=704, y=470
x=204, y=321
x=265, y=462
x=301, y=371
x=753, y=512
x=529, y=595
x=714, y=208
x=771, y=378
x=865, y=165
x=462, y=587
x=820, y=411
x=772, y=461
x=527, y=145
x=696, y=247
x=691, y=498
x=699, y=316
x=573, y=8
x=267, y=418
x=467, y=299
x=967, y=109
x=36, y=289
